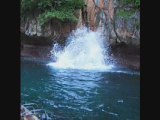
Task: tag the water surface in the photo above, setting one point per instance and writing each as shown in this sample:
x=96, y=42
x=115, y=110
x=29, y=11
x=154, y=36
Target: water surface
x=81, y=94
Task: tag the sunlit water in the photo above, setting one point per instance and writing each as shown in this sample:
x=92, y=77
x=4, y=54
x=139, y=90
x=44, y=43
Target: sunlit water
x=84, y=50
x=71, y=94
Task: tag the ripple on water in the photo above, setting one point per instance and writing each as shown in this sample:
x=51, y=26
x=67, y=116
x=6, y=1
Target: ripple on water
x=79, y=94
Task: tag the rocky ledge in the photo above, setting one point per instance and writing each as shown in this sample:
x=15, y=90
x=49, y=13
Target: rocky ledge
x=33, y=52
x=128, y=57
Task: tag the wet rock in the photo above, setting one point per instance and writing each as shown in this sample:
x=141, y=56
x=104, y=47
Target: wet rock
x=33, y=33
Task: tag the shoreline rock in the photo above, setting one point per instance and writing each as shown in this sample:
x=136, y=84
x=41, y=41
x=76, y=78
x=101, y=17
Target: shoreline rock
x=127, y=57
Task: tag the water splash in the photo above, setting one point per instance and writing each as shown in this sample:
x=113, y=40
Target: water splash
x=84, y=50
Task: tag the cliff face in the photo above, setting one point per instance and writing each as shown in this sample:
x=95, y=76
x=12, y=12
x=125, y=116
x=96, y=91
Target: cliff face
x=54, y=31
x=121, y=21
x=127, y=24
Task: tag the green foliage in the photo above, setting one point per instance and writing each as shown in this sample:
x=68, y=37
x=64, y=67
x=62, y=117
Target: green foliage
x=125, y=14
x=27, y=5
x=44, y=4
x=74, y=4
x=127, y=1
x=60, y=15
x=136, y=3
x=62, y=10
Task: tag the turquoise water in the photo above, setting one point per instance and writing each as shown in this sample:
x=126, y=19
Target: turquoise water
x=81, y=95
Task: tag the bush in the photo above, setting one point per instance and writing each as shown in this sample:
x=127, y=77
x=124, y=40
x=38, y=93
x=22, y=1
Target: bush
x=60, y=15
x=136, y=3
x=125, y=14
x=62, y=10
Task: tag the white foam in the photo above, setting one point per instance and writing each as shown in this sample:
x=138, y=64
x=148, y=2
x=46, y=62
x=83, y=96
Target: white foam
x=85, y=50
